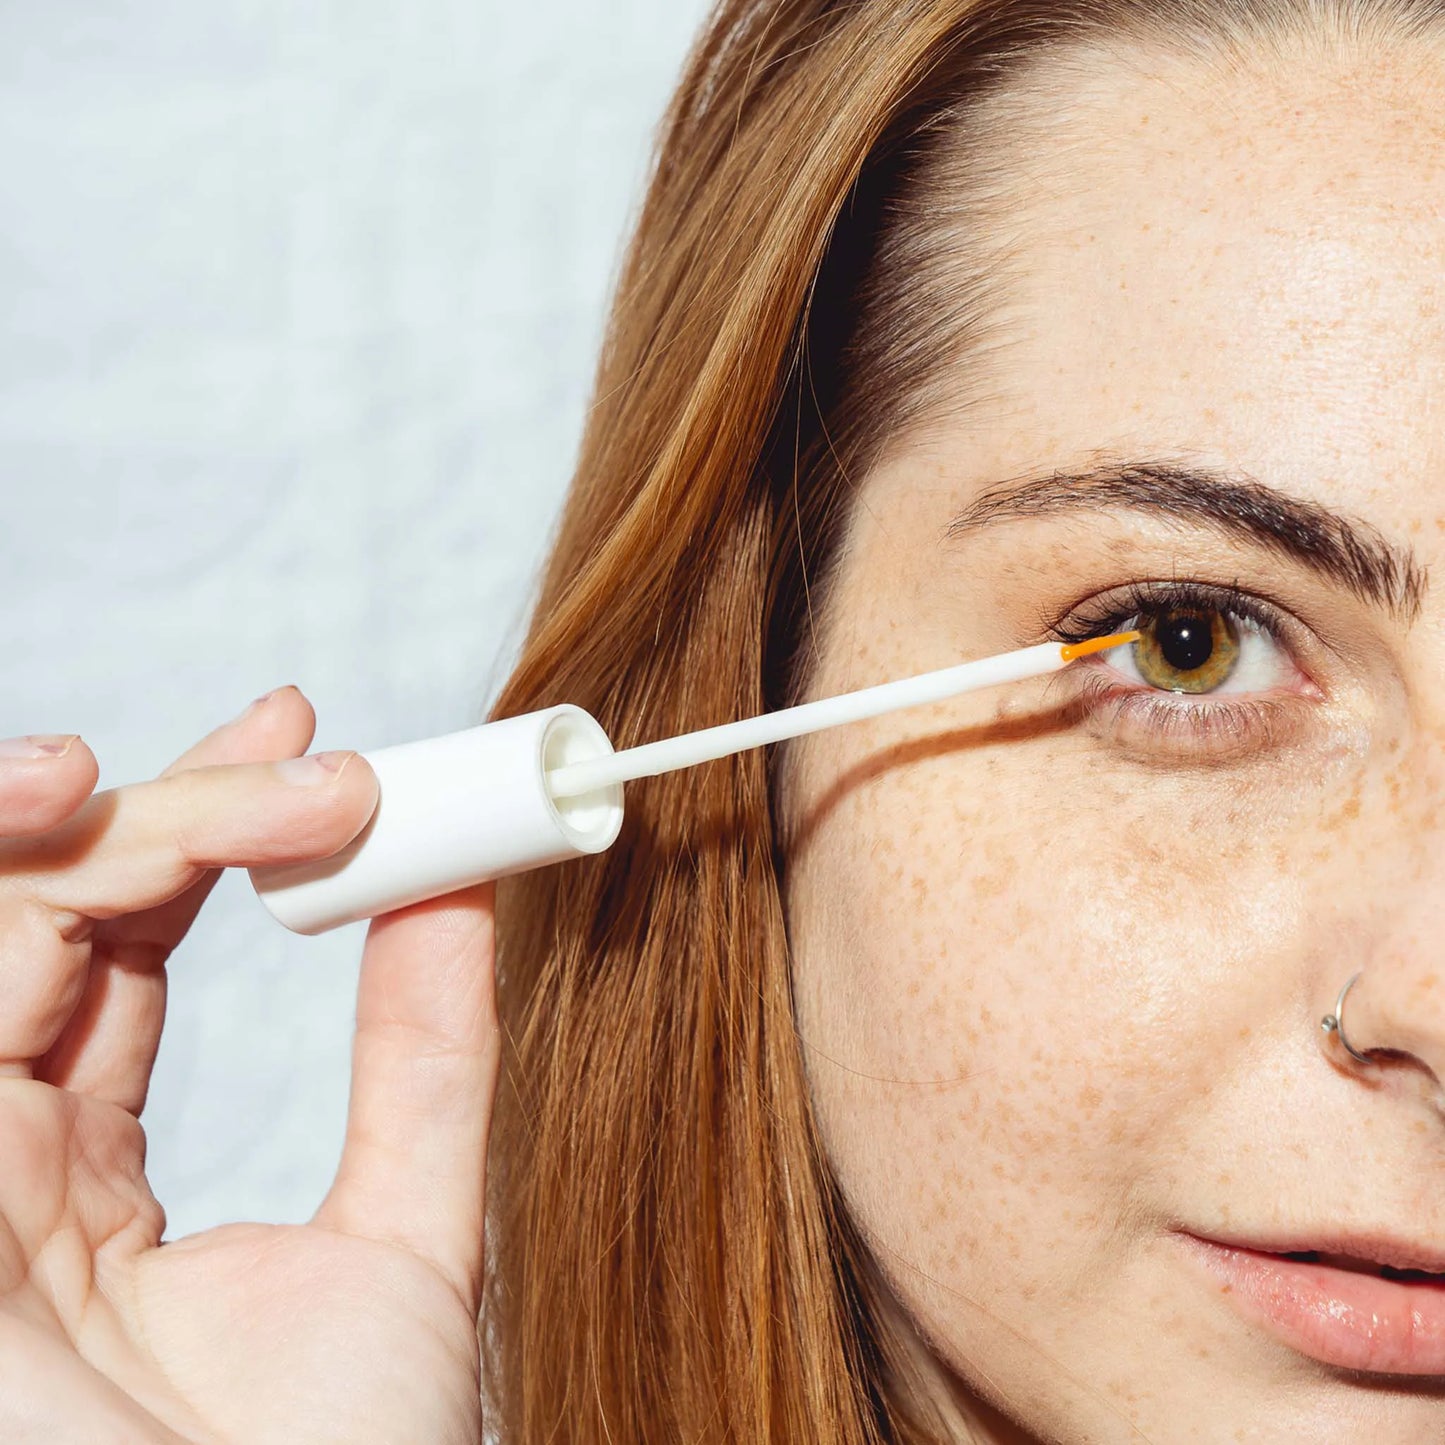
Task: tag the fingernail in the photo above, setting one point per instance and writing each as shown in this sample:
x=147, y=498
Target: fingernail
x=261, y=701
x=38, y=747
x=315, y=768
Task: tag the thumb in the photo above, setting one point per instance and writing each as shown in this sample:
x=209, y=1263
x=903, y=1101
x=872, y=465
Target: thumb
x=423, y=1077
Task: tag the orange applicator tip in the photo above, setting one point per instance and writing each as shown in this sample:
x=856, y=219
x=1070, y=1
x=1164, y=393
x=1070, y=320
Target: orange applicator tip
x=1075, y=650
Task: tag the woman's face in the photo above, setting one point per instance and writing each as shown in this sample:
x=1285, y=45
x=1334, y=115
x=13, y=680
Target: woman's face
x=1062, y=950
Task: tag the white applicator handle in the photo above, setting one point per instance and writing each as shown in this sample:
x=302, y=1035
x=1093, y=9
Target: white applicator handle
x=454, y=811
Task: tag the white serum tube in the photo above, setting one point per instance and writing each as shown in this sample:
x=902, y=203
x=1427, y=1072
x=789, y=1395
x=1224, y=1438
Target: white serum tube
x=454, y=811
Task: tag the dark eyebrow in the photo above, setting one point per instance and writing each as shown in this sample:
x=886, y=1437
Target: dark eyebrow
x=1345, y=551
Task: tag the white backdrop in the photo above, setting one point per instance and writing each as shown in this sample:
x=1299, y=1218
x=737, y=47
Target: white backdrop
x=299, y=301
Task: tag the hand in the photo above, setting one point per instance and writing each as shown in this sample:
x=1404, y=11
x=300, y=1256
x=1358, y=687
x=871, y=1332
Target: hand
x=359, y=1326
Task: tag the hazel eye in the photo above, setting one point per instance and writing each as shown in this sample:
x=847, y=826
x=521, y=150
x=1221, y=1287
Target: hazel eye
x=1190, y=650
x=1197, y=648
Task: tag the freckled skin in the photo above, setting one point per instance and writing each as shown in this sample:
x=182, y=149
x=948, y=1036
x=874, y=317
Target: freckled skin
x=1076, y=976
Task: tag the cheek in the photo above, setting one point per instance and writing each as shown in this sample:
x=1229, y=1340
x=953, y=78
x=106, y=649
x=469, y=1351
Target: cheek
x=1005, y=982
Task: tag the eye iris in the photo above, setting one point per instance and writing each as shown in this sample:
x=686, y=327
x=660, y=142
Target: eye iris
x=1187, y=651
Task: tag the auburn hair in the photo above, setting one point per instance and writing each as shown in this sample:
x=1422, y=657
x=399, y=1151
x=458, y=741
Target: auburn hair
x=668, y=1257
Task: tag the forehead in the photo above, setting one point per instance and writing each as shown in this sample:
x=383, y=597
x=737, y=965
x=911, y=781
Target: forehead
x=1245, y=264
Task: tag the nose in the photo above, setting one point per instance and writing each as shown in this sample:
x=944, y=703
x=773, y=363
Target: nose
x=1395, y=1011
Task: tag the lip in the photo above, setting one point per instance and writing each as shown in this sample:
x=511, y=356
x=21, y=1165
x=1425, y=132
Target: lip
x=1351, y=1320
x=1388, y=1249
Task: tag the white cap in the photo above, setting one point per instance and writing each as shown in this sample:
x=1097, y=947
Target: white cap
x=454, y=811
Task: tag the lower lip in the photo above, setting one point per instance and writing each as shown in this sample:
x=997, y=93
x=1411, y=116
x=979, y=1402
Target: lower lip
x=1352, y=1321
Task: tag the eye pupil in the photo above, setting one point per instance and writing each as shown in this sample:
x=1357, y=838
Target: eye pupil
x=1185, y=640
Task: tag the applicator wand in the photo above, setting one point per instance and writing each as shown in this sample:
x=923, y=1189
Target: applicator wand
x=528, y=791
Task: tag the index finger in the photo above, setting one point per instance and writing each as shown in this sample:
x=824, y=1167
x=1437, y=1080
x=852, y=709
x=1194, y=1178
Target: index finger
x=137, y=847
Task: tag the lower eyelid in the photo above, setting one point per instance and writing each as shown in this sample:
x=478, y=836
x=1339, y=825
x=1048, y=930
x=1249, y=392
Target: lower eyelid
x=1296, y=683
x=1200, y=724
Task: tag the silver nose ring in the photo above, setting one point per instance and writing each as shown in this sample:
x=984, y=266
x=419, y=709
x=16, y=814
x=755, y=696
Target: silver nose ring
x=1334, y=1023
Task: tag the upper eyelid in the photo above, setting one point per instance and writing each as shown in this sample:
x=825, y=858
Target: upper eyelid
x=1281, y=623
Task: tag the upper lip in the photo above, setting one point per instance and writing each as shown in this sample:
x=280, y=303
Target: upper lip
x=1392, y=1250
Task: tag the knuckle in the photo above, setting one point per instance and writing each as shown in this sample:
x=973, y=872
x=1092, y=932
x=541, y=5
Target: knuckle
x=188, y=813
x=200, y=812
x=43, y=966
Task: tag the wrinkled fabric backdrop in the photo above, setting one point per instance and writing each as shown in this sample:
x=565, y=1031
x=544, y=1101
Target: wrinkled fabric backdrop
x=299, y=304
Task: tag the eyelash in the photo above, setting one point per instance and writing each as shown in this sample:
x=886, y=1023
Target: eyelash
x=1101, y=615
x=1200, y=722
